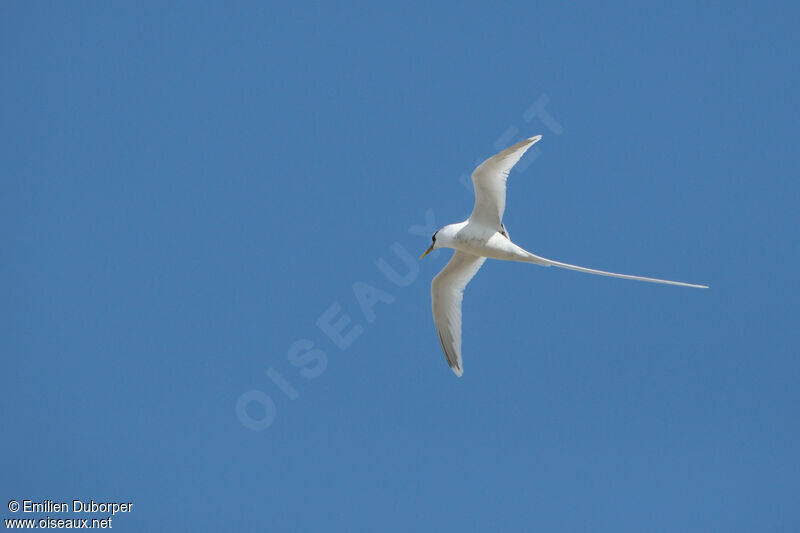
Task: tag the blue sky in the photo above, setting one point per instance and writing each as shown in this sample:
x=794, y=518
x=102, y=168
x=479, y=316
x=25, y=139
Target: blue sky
x=189, y=190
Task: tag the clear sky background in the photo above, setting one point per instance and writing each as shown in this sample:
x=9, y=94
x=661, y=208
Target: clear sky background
x=187, y=189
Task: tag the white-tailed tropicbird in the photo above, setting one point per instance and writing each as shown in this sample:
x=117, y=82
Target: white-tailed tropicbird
x=481, y=236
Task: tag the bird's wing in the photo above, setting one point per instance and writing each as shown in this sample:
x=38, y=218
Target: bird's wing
x=489, y=180
x=549, y=262
x=447, y=291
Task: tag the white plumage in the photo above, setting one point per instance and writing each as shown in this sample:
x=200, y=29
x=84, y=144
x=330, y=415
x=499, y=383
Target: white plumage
x=483, y=236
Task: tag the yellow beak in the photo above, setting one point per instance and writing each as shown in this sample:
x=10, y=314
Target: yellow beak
x=429, y=250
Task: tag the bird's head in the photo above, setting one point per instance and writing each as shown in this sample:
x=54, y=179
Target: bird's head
x=431, y=248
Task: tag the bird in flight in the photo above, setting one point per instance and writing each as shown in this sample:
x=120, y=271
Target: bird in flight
x=483, y=236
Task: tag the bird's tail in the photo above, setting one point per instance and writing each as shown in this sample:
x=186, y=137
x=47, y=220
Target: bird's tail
x=535, y=259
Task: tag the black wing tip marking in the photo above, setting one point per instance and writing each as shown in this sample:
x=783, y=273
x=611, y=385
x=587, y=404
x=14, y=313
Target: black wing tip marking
x=450, y=355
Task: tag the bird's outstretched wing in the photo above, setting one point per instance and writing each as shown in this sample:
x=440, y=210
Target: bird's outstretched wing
x=489, y=180
x=447, y=291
